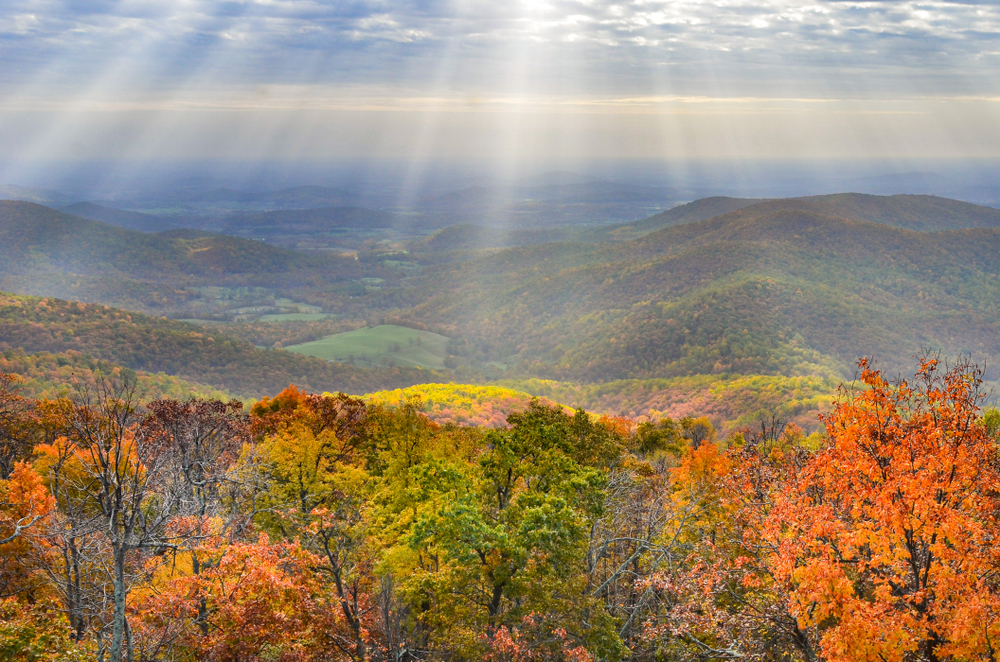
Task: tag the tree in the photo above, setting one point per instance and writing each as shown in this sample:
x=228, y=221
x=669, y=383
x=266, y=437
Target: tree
x=888, y=536
x=114, y=476
x=24, y=504
x=315, y=449
x=15, y=438
x=501, y=545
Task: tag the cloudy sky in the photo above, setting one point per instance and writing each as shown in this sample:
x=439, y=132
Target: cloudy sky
x=504, y=80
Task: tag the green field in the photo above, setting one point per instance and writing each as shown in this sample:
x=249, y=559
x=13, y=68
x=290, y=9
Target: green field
x=385, y=345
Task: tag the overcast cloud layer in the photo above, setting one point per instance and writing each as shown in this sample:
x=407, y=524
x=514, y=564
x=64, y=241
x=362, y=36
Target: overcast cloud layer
x=668, y=58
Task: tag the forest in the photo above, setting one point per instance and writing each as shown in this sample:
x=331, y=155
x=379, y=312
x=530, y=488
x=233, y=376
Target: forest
x=651, y=441
x=326, y=527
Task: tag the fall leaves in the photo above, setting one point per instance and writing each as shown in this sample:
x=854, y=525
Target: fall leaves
x=889, y=534
x=320, y=528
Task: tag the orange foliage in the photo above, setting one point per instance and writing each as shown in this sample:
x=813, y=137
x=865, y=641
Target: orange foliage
x=259, y=600
x=888, y=537
x=24, y=504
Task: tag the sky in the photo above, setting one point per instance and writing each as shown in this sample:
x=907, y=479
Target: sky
x=503, y=81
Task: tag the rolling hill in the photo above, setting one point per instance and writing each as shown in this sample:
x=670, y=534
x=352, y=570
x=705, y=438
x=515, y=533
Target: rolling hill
x=123, y=218
x=158, y=345
x=47, y=252
x=777, y=287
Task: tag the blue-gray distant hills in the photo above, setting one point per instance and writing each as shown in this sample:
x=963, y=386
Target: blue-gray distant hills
x=722, y=285
x=123, y=218
x=317, y=221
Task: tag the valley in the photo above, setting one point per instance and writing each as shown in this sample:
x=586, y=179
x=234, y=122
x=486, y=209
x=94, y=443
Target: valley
x=619, y=318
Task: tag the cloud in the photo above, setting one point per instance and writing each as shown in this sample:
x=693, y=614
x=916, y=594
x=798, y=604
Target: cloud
x=691, y=46
x=640, y=77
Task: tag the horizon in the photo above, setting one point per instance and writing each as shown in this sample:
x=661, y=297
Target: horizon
x=509, y=86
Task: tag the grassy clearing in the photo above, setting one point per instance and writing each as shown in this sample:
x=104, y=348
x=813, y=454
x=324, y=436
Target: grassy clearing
x=385, y=345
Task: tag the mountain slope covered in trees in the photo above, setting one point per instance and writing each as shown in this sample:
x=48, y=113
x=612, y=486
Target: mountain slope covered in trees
x=204, y=355
x=771, y=288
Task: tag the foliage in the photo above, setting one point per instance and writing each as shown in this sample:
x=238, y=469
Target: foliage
x=52, y=376
x=154, y=345
x=888, y=535
x=729, y=401
x=37, y=633
x=460, y=404
x=319, y=528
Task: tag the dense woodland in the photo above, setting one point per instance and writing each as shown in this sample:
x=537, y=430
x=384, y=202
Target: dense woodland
x=155, y=344
x=326, y=528
x=650, y=441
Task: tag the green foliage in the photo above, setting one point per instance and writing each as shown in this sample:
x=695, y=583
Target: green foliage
x=504, y=539
x=37, y=633
x=381, y=345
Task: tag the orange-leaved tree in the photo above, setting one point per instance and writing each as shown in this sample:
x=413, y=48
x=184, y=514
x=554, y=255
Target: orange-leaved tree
x=888, y=536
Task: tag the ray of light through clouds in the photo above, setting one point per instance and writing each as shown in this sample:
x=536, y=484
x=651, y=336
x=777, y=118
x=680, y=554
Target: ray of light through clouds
x=508, y=81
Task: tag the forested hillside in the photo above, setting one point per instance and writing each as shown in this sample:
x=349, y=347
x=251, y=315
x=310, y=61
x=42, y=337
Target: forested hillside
x=43, y=251
x=767, y=289
x=203, y=355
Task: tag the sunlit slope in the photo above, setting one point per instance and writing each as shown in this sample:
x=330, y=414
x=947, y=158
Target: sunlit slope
x=153, y=345
x=383, y=345
x=461, y=404
x=43, y=251
x=46, y=375
x=766, y=289
x=927, y=213
x=730, y=401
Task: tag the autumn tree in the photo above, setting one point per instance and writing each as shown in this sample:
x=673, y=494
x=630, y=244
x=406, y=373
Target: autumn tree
x=115, y=477
x=15, y=437
x=315, y=450
x=888, y=536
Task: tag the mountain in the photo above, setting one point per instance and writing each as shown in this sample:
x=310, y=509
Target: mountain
x=691, y=212
x=780, y=287
x=44, y=251
x=32, y=194
x=159, y=345
x=131, y=220
x=307, y=221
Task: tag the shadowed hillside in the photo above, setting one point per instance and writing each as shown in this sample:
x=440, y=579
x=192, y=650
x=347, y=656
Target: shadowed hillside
x=154, y=345
x=46, y=252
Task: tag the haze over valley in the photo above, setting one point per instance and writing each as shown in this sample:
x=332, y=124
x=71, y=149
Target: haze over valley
x=525, y=331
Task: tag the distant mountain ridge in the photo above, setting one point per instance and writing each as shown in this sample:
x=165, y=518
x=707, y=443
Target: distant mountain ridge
x=796, y=286
x=131, y=220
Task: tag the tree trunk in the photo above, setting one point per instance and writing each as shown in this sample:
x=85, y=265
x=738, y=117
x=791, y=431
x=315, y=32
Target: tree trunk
x=118, y=619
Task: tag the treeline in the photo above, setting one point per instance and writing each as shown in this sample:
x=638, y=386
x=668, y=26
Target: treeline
x=316, y=528
x=52, y=376
x=199, y=354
